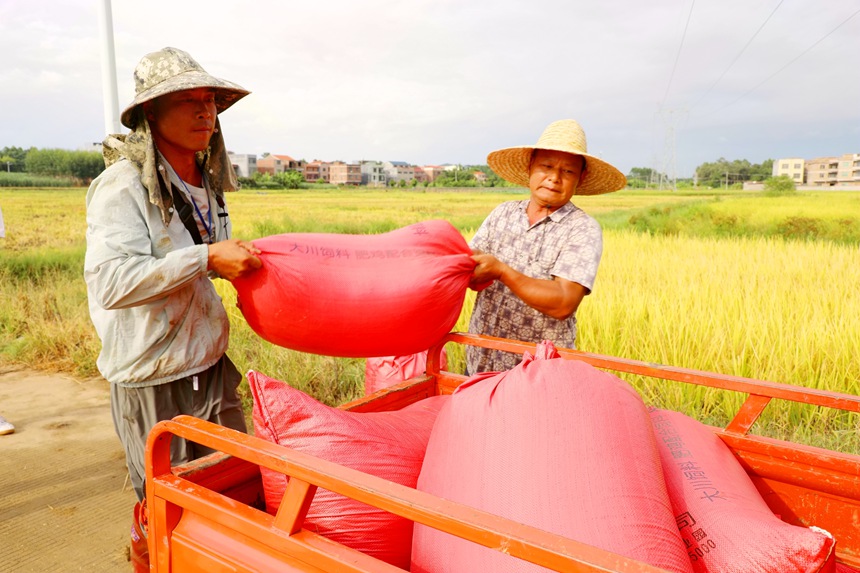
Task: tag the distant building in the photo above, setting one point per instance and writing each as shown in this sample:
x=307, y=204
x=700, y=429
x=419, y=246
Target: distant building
x=838, y=171
x=274, y=164
x=433, y=171
x=311, y=171
x=244, y=165
x=398, y=171
x=270, y=164
x=792, y=167
x=341, y=173
x=372, y=173
x=420, y=175
x=317, y=170
x=849, y=169
x=821, y=171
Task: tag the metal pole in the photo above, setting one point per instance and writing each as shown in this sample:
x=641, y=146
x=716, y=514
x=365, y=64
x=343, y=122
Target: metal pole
x=109, y=90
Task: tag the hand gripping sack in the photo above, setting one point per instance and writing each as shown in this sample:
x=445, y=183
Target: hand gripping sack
x=725, y=523
x=389, y=445
x=555, y=444
x=395, y=293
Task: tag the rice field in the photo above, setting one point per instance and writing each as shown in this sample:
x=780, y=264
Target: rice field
x=750, y=303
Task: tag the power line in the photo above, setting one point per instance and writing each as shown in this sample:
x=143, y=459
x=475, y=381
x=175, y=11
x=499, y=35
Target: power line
x=738, y=56
x=678, y=55
x=803, y=53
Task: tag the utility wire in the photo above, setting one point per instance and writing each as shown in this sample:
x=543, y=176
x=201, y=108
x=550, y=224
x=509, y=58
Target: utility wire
x=713, y=85
x=803, y=53
x=678, y=55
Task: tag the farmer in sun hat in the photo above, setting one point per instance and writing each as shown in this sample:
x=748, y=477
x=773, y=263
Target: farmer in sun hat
x=157, y=231
x=541, y=253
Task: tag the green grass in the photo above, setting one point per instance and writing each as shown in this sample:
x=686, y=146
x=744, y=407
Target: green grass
x=813, y=216
x=26, y=180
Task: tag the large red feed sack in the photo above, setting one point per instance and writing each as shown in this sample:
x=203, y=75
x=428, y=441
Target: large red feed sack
x=725, y=523
x=384, y=371
x=389, y=445
x=394, y=293
x=555, y=444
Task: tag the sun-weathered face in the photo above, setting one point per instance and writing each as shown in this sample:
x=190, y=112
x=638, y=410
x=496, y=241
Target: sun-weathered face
x=554, y=177
x=183, y=120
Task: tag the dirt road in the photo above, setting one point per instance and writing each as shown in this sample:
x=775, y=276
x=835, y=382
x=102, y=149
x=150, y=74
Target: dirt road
x=64, y=501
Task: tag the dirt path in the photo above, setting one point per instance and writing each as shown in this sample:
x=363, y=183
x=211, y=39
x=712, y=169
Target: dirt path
x=64, y=501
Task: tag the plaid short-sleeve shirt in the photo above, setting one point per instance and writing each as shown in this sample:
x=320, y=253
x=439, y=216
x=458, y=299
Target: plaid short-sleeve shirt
x=566, y=244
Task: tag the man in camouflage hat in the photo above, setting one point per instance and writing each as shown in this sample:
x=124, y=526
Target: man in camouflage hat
x=157, y=230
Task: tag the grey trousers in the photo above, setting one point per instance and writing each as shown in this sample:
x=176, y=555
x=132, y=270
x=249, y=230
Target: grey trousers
x=136, y=410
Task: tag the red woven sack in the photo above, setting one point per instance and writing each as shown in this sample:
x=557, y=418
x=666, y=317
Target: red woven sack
x=384, y=371
x=389, y=445
x=555, y=444
x=395, y=293
x=725, y=523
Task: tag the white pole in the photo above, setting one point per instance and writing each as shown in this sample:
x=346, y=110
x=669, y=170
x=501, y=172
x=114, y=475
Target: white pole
x=109, y=91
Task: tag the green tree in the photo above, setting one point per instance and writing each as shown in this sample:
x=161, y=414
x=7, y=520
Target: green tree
x=84, y=166
x=50, y=162
x=644, y=177
x=711, y=174
x=265, y=181
x=492, y=180
x=762, y=171
x=455, y=178
x=779, y=186
x=290, y=179
x=8, y=161
x=724, y=172
x=17, y=154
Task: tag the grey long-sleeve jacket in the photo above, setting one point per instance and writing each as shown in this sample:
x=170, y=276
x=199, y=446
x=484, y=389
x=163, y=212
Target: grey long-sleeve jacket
x=150, y=297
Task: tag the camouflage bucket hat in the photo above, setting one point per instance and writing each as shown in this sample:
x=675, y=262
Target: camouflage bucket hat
x=171, y=70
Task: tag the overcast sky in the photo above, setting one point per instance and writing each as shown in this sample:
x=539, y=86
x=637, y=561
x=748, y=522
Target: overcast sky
x=448, y=81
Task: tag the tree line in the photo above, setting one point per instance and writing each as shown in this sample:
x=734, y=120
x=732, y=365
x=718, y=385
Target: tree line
x=720, y=173
x=80, y=166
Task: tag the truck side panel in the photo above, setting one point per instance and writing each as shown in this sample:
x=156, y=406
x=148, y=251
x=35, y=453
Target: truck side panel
x=209, y=515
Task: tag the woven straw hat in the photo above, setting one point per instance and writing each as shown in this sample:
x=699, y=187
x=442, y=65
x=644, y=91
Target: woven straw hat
x=171, y=70
x=512, y=163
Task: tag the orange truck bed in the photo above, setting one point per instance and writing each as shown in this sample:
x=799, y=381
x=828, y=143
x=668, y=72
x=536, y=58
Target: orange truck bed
x=209, y=516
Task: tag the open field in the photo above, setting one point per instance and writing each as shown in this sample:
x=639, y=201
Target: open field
x=700, y=280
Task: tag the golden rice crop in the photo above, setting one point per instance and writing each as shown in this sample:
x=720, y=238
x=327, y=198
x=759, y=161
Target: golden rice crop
x=759, y=308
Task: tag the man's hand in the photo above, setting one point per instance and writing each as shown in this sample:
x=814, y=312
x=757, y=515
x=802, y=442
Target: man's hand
x=556, y=297
x=233, y=258
x=487, y=269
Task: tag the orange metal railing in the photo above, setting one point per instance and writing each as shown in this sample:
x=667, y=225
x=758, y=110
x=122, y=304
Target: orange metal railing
x=168, y=495
x=827, y=482
x=760, y=392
